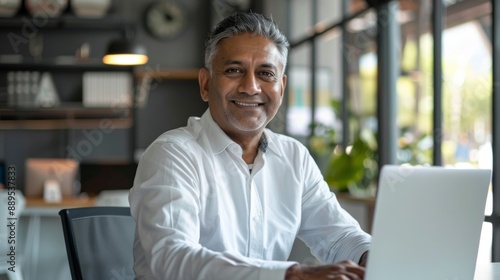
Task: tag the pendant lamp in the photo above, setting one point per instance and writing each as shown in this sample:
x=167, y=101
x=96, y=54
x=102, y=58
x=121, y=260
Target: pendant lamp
x=125, y=51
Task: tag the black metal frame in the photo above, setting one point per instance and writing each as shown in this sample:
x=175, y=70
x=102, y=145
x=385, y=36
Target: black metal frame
x=387, y=74
x=495, y=217
x=346, y=130
x=438, y=14
x=67, y=218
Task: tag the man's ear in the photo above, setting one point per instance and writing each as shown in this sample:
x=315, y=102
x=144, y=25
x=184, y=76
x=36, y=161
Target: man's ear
x=203, y=80
x=283, y=84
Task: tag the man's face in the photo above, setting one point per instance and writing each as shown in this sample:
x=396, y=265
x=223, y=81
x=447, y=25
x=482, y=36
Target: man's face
x=245, y=88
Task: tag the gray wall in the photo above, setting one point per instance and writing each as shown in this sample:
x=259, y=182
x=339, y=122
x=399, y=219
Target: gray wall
x=169, y=105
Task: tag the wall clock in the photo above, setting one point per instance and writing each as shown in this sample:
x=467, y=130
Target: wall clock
x=165, y=19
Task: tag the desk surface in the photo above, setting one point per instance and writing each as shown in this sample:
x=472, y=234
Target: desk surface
x=370, y=201
x=37, y=206
x=66, y=202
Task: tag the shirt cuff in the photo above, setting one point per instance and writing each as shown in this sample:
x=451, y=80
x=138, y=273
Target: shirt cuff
x=360, y=251
x=274, y=270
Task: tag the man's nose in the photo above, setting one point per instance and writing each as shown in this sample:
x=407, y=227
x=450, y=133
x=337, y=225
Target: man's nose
x=249, y=84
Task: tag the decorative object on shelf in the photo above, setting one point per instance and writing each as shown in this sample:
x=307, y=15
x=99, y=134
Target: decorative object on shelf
x=22, y=88
x=47, y=8
x=107, y=89
x=83, y=52
x=9, y=8
x=47, y=93
x=90, y=8
x=36, y=46
x=165, y=19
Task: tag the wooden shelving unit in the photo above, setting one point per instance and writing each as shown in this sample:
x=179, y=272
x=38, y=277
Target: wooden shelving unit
x=167, y=74
x=64, y=117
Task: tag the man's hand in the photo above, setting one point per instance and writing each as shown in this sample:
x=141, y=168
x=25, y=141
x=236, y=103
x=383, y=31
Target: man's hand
x=346, y=270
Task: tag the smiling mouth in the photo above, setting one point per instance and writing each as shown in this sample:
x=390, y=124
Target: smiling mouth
x=243, y=104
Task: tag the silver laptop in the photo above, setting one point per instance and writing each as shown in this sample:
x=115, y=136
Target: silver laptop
x=427, y=223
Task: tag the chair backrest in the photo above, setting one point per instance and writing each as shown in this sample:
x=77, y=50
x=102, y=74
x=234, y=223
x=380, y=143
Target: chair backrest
x=99, y=242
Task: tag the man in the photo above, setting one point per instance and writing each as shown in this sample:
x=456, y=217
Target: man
x=224, y=197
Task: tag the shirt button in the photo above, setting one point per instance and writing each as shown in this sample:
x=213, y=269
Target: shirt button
x=257, y=218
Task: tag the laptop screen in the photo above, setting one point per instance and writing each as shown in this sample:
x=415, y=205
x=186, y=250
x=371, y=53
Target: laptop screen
x=427, y=223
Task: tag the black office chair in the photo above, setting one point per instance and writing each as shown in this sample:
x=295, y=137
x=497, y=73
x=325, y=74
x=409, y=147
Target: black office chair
x=99, y=242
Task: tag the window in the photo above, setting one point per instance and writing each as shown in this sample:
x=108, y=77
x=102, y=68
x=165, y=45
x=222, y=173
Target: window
x=334, y=64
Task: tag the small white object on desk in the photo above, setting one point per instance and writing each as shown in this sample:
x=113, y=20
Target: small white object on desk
x=52, y=191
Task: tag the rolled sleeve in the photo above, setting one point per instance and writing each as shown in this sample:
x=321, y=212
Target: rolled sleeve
x=332, y=234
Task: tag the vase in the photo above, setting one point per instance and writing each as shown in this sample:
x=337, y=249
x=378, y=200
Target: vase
x=90, y=8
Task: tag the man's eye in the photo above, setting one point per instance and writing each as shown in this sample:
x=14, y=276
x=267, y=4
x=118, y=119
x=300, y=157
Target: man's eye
x=233, y=70
x=267, y=74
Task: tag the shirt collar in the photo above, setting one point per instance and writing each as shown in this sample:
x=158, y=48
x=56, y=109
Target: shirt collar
x=218, y=138
x=272, y=142
x=220, y=141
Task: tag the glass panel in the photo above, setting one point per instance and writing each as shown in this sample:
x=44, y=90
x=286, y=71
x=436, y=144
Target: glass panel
x=328, y=130
x=329, y=11
x=467, y=96
x=466, y=87
x=359, y=49
x=299, y=93
x=415, y=92
x=328, y=123
x=360, y=52
x=301, y=18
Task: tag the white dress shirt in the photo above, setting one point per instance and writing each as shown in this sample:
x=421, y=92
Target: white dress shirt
x=201, y=213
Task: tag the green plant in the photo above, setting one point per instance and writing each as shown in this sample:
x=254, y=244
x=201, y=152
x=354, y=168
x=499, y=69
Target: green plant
x=345, y=167
x=353, y=165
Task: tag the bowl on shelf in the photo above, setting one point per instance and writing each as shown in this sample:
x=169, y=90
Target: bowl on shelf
x=48, y=8
x=90, y=8
x=9, y=8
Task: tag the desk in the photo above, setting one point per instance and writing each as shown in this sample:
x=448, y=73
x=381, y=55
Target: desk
x=34, y=211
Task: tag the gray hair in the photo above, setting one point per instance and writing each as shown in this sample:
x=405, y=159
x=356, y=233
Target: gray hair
x=240, y=23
